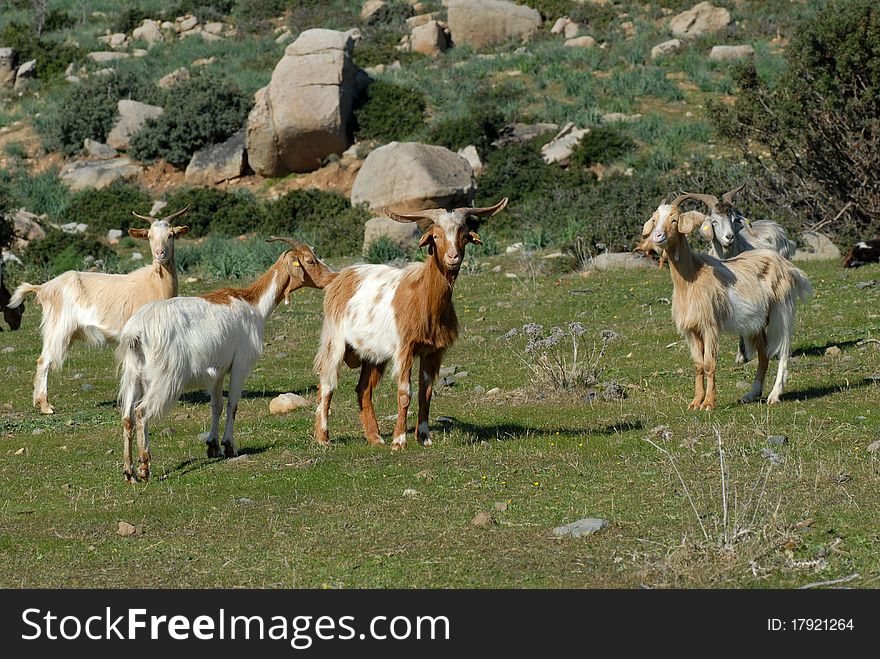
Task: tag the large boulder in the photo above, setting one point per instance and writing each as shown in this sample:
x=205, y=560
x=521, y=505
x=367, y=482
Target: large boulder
x=814, y=246
x=302, y=116
x=83, y=174
x=217, y=163
x=480, y=23
x=731, y=53
x=429, y=39
x=405, y=234
x=132, y=117
x=408, y=176
x=559, y=149
x=7, y=67
x=149, y=31
x=699, y=20
x=665, y=48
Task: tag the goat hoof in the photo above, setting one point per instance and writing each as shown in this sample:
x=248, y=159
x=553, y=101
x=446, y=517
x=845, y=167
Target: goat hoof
x=323, y=442
x=229, y=451
x=45, y=408
x=707, y=406
x=695, y=405
x=144, y=472
x=773, y=400
x=129, y=477
x=425, y=441
x=398, y=446
x=213, y=451
x=376, y=441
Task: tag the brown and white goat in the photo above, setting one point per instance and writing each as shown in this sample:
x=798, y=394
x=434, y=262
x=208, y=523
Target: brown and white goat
x=753, y=295
x=170, y=345
x=94, y=306
x=374, y=314
x=862, y=253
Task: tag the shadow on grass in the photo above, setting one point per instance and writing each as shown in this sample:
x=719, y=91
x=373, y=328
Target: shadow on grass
x=506, y=431
x=820, y=392
x=197, y=464
x=819, y=350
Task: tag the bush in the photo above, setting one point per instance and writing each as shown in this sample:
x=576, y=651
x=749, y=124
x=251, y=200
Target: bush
x=60, y=251
x=602, y=145
x=52, y=57
x=7, y=229
x=381, y=35
x=480, y=127
x=819, y=121
x=325, y=220
x=108, y=208
x=213, y=210
x=206, y=109
x=388, y=112
x=89, y=110
x=385, y=250
x=227, y=258
x=39, y=193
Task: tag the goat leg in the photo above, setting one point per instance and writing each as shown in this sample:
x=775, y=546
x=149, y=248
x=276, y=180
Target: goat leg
x=429, y=366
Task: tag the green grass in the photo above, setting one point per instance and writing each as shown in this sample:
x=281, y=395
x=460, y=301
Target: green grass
x=294, y=514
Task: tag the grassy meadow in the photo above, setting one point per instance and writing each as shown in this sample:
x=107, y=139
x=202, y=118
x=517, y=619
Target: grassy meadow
x=290, y=513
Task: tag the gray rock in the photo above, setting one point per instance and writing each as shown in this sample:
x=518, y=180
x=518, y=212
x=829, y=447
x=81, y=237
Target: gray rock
x=815, y=246
x=132, y=117
x=8, y=350
x=480, y=23
x=86, y=387
x=244, y=501
x=777, y=440
x=408, y=176
x=25, y=73
x=461, y=375
x=730, y=53
x=772, y=456
x=370, y=8
x=665, y=48
x=559, y=149
x=303, y=115
x=446, y=371
x=429, y=39
x=105, y=56
x=518, y=132
x=7, y=67
x=26, y=225
x=98, y=150
x=619, y=118
x=83, y=174
x=585, y=41
x=619, y=261
x=406, y=235
x=149, y=31
x=586, y=526
x=699, y=20
x=218, y=163
x=470, y=154
x=38, y=431
x=114, y=235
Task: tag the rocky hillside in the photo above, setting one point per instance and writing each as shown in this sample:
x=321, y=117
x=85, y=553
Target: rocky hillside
x=306, y=118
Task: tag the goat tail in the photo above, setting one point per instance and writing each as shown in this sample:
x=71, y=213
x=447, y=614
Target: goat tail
x=18, y=295
x=803, y=289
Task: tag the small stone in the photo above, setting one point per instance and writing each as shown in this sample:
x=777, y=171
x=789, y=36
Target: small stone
x=21, y=451
x=512, y=249
x=446, y=371
x=460, y=375
x=7, y=350
x=772, y=457
x=239, y=458
x=874, y=446
x=87, y=387
x=493, y=391
x=447, y=382
x=137, y=256
x=482, y=519
x=500, y=506
x=125, y=529
x=496, y=269
x=586, y=526
x=581, y=42
x=166, y=432
x=832, y=351
x=777, y=440
x=281, y=405
x=244, y=501
x=866, y=284
x=38, y=431
x=479, y=389
x=409, y=492
x=67, y=488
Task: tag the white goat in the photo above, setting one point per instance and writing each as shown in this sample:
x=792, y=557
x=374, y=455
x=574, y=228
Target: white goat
x=170, y=345
x=94, y=306
x=374, y=314
x=753, y=295
x=731, y=233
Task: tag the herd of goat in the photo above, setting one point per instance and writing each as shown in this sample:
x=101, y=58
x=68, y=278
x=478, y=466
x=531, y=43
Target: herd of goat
x=376, y=314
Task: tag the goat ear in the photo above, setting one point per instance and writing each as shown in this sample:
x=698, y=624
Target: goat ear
x=139, y=233
x=427, y=239
x=180, y=231
x=706, y=230
x=475, y=237
x=649, y=226
x=689, y=221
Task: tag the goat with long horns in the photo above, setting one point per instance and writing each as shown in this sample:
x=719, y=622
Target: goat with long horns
x=374, y=314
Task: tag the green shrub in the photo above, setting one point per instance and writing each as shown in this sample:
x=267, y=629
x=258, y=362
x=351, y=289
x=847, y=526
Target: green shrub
x=108, y=208
x=214, y=210
x=52, y=57
x=480, y=127
x=206, y=109
x=228, y=258
x=381, y=35
x=130, y=18
x=7, y=230
x=39, y=193
x=388, y=112
x=89, y=109
x=325, y=220
x=385, y=250
x=819, y=122
x=60, y=251
x=602, y=145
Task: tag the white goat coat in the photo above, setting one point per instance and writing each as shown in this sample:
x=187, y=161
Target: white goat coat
x=189, y=342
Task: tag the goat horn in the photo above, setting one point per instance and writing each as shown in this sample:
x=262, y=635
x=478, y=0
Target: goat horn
x=290, y=241
x=728, y=196
x=168, y=218
x=144, y=217
x=488, y=210
x=710, y=200
x=431, y=213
